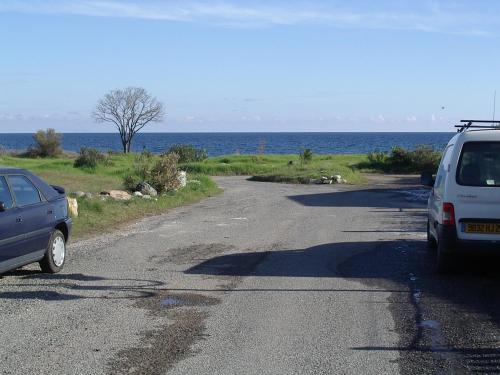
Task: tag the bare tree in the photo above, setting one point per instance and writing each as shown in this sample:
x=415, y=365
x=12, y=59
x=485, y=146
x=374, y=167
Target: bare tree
x=129, y=110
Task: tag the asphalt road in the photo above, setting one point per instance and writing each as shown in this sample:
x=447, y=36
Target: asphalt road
x=262, y=279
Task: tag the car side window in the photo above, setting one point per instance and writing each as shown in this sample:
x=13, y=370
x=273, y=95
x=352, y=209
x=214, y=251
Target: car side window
x=24, y=191
x=5, y=196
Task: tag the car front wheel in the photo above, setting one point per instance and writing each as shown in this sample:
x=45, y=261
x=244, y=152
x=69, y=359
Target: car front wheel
x=54, y=258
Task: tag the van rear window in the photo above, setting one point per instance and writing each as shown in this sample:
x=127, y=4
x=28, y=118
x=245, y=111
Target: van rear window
x=479, y=164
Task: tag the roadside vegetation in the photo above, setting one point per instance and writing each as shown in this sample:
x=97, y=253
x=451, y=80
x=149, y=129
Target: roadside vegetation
x=298, y=168
x=96, y=215
x=400, y=160
x=92, y=171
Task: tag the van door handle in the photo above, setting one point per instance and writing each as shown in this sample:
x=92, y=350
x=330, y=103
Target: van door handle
x=19, y=220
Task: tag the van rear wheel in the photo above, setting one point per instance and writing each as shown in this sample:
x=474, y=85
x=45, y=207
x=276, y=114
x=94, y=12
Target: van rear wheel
x=444, y=258
x=431, y=241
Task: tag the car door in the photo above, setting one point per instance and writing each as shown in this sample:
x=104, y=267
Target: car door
x=436, y=197
x=34, y=213
x=11, y=232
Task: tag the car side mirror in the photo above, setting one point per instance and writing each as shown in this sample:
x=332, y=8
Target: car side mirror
x=59, y=189
x=2, y=207
x=427, y=179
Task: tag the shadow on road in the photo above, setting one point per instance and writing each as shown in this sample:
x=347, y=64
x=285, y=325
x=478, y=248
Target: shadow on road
x=376, y=198
x=67, y=287
x=463, y=308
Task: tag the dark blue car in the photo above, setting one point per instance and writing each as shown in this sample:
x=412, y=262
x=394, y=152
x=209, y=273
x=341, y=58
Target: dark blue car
x=34, y=222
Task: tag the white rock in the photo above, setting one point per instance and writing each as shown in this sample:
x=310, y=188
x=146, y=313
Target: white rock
x=147, y=189
x=145, y=196
x=119, y=195
x=72, y=206
x=138, y=194
x=182, y=177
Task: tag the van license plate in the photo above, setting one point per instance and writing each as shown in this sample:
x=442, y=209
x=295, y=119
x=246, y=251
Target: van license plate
x=486, y=228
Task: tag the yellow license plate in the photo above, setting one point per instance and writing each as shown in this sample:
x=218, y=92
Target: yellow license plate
x=486, y=228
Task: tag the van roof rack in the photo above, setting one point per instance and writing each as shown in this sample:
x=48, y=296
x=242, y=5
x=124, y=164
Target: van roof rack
x=478, y=124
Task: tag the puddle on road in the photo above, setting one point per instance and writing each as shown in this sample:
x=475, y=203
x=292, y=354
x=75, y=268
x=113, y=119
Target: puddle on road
x=161, y=303
x=171, y=302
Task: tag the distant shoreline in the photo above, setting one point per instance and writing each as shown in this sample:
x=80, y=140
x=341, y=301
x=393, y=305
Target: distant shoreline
x=218, y=144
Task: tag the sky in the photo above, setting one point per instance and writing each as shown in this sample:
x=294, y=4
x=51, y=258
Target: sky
x=358, y=65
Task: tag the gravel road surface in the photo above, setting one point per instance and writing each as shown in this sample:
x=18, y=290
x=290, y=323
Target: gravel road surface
x=262, y=279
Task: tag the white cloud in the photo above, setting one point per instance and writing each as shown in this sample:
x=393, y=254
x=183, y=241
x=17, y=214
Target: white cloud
x=411, y=118
x=426, y=18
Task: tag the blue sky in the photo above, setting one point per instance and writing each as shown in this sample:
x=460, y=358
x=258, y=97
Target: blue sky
x=251, y=65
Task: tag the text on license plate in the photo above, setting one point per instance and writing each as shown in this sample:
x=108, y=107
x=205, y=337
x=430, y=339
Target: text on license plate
x=488, y=228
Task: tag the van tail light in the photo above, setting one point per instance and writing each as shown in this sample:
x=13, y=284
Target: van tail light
x=448, y=214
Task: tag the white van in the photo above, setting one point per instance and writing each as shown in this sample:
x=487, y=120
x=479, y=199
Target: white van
x=464, y=205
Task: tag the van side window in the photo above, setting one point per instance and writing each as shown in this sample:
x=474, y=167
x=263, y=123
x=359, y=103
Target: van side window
x=5, y=196
x=443, y=166
x=479, y=164
x=24, y=191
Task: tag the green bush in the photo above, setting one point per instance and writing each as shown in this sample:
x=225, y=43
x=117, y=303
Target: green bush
x=306, y=155
x=165, y=174
x=400, y=160
x=130, y=182
x=425, y=158
x=161, y=173
x=47, y=144
x=143, y=165
x=90, y=158
x=377, y=159
x=187, y=153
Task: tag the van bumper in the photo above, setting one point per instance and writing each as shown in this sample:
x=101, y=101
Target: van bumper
x=448, y=237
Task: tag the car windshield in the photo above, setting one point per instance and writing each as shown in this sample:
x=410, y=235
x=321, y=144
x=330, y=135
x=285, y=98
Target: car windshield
x=479, y=164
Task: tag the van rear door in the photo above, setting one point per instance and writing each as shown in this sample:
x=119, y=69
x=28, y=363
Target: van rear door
x=477, y=211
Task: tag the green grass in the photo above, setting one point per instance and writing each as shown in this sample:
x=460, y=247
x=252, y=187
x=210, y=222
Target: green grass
x=95, y=215
x=276, y=168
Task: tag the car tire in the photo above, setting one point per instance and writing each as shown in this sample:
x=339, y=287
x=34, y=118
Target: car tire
x=54, y=258
x=444, y=259
x=431, y=241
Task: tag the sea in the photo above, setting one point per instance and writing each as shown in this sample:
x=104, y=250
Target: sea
x=218, y=144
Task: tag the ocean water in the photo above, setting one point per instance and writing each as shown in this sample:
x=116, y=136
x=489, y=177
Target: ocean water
x=218, y=144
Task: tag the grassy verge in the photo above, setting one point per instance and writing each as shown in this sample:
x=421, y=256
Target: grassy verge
x=95, y=215
x=282, y=168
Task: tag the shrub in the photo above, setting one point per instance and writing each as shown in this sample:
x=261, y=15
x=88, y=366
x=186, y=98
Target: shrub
x=90, y=158
x=401, y=160
x=164, y=174
x=187, y=153
x=130, y=182
x=161, y=173
x=143, y=165
x=377, y=158
x=425, y=158
x=306, y=155
x=47, y=144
